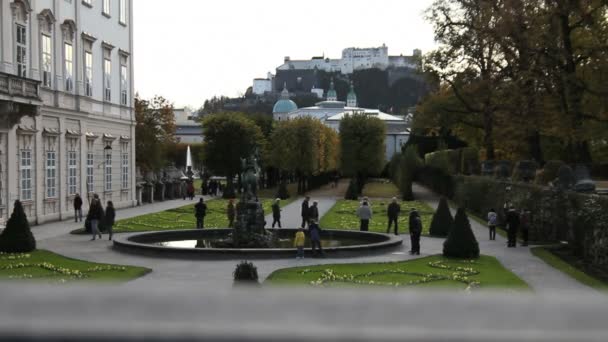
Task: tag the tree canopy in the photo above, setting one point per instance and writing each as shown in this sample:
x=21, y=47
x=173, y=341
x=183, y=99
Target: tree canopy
x=362, y=148
x=154, y=132
x=228, y=138
x=304, y=146
x=517, y=74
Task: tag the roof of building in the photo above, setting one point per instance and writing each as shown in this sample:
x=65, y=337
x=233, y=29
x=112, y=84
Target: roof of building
x=336, y=110
x=284, y=105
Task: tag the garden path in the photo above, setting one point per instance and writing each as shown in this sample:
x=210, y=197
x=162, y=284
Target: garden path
x=59, y=228
x=218, y=274
x=539, y=275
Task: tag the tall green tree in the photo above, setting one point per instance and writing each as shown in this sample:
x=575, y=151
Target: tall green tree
x=362, y=149
x=228, y=138
x=154, y=132
x=304, y=147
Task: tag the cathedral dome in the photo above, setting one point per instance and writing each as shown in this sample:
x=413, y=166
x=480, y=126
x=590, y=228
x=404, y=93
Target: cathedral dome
x=284, y=105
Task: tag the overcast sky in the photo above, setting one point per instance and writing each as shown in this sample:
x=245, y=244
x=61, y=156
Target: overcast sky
x=191, y=50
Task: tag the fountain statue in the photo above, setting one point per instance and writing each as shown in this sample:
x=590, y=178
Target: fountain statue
x=249, y=231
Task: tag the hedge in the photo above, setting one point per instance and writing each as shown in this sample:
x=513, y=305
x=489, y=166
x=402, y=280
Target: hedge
x=579, y=219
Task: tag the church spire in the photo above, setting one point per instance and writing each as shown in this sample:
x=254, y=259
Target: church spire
x=331, y=93
x=351, y=99
x=285, y=92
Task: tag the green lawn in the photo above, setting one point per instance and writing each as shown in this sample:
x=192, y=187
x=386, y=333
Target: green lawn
x=343, y=216
x=50, y=267
x=555, y=261
x=183, y=218
x=381, y=189
x=430, y=272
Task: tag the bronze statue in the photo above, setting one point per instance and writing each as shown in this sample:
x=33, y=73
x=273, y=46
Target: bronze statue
x=250, y=174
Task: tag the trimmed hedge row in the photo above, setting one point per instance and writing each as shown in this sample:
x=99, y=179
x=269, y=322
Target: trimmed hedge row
x=579, y=219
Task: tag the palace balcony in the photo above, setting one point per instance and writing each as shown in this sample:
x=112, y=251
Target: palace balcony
x=18, y=97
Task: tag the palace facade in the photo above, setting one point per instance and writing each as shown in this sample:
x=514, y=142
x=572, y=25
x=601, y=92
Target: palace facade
x=66, y=105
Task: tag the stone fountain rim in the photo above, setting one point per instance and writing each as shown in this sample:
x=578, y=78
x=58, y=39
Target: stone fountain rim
x=129, y=244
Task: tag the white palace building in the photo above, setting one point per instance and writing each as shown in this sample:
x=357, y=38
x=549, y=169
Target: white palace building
x=66, y=105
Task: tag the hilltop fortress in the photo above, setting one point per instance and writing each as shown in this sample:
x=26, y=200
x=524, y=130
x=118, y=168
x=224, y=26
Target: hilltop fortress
x=300, y=74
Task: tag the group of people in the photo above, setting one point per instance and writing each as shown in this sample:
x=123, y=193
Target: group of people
x=188, y=189
x=96, y=217
x=364, y=212
x=211, y=188
x=514, y=222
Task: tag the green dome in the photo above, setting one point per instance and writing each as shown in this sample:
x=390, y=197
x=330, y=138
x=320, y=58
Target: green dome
x=332, y=95
x=284, y=106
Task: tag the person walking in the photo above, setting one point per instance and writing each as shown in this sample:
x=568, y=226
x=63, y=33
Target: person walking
x=94, y=216
x=415, y=231
x=200, y=211
x=77, y=208
x=525, y=226
x=191, y=190
x=365, y=214
x=231, y=212
x=305, y=211
x=298, y=242
x=512, y=220
x=314, y=211
x=392, y=212
x=108, y=221
x=315, y=238
x=492, y=220
x=276, y=212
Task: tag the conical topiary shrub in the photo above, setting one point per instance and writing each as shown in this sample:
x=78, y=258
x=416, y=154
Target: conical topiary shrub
x=245, y=273
x=442, y=219
x=461, y=242
x=17, y=237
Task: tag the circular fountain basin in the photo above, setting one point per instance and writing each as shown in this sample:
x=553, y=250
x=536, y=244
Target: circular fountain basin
x=196, y=244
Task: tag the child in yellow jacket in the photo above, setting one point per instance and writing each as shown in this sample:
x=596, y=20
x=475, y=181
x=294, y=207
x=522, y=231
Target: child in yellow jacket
x=298, y=242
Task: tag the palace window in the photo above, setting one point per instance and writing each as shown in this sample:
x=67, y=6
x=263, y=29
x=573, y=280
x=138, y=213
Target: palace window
x=106, y=7
x=69, y=67
x=123, y=12
x=88, y=73
x=21, y=52
x=108, y=171
x=124, y=97
x=51, y=174
x=90, y=168
x=72, y=172
x=125, y=165
x=26, y=174
x=47, y=61
x=107, y=79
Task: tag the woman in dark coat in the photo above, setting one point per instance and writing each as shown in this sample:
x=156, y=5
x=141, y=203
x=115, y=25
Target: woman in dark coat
x=109, y=218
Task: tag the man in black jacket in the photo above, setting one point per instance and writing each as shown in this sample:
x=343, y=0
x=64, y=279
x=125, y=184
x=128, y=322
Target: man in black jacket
x=200, y=211
x=512, y=221
x=305, y=212
x=415, y=231
x=393, y=211
x=77, y=208
x=276, y=212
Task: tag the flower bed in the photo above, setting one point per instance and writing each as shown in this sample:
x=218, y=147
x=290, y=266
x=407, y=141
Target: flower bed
x=434, y=271
x=50, y=267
